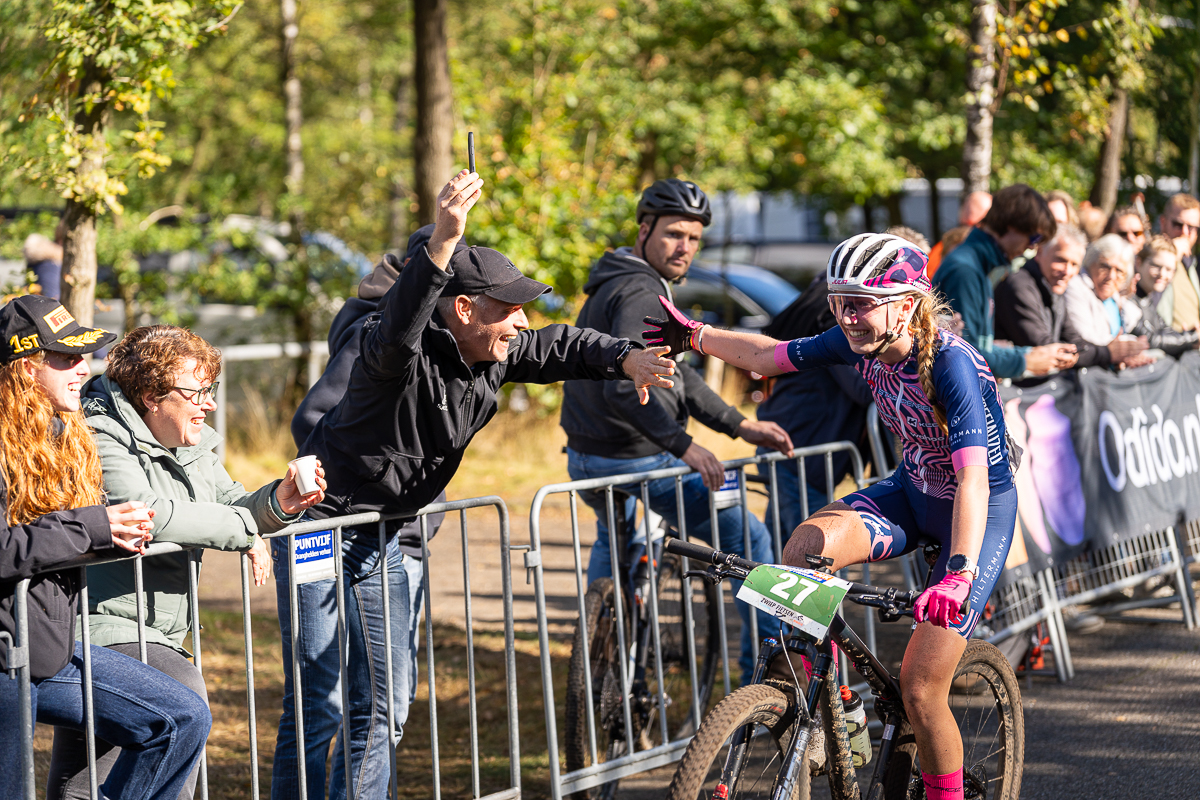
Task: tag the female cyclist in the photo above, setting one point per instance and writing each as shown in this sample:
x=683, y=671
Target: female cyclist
x=954, y=485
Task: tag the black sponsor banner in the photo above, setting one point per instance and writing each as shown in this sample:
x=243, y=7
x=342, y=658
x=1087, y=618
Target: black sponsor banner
x=1108, y=456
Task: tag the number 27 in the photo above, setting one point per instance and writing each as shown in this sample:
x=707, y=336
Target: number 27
x=786, y=581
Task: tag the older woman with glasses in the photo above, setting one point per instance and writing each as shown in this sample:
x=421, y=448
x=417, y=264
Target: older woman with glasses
x=147, y=414
x=1096, y=302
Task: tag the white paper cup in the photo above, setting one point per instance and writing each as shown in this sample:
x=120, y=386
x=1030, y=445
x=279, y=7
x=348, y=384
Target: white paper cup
x=306, y=474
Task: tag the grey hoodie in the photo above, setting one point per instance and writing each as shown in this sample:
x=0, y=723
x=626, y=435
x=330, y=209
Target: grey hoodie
x=604, y=418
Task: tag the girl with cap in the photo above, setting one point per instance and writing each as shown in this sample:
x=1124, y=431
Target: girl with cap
x=54, y=512
x=955, y=482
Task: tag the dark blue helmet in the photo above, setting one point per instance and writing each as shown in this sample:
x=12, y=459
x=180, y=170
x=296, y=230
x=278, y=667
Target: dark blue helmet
x=674, y=198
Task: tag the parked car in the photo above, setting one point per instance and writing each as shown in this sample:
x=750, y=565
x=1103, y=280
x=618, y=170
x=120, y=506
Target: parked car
x=739, y=296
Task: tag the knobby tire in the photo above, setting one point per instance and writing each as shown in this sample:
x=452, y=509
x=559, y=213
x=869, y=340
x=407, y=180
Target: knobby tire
x=600, y=614
x=765, y=706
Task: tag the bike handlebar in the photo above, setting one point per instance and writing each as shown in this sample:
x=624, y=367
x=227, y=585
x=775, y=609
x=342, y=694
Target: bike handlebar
x=708, y=555
x=858, y=591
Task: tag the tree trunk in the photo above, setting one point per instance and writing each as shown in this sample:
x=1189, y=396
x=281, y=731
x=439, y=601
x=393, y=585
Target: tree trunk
x=981, y=76
x=1108, y=172
x=432, y=161
x=1194, y=149
x=648, y=162
x=892, y=201
x=935, y=213
x=398, y=206
x=294, y=181
x=79, y=219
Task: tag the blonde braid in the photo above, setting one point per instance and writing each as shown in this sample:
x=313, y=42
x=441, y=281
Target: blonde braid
x=926, y=320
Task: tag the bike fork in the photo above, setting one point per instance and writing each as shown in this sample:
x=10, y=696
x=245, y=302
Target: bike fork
x=797, y=755
x=737, y=744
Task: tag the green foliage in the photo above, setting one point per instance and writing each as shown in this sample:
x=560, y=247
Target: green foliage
x=576, y=104
x=92, y=58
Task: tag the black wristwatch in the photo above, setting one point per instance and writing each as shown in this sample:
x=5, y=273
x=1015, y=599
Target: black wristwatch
x=961, y=565
x=626, y=349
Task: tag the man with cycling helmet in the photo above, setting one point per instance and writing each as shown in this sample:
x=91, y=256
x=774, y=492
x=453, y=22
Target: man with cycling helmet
x=610, y=433
x=954, y=485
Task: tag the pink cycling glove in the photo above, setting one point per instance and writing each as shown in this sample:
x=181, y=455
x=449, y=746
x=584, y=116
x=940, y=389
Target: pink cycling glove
x=942, y=604
x=675, y=331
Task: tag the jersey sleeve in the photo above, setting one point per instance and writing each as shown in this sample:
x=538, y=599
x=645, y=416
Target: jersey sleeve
x=958, y=375
x=810, y=352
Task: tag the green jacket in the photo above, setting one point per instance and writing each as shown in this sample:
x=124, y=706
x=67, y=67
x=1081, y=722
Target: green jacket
x=195, y=503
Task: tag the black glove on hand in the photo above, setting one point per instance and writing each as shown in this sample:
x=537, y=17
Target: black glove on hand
x=676, y=331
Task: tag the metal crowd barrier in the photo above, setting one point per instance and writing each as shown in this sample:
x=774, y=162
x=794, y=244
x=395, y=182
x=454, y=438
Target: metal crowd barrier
x=1099, y=574
x=19, y=655
x=671, y=749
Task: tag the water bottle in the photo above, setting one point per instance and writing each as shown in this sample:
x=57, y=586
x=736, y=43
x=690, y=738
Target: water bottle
x=856, y=727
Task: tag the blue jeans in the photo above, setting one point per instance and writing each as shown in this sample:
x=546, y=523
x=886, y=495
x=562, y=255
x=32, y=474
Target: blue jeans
x=789, y=497
x=321, y=689
x=582, y=466
x=159, y=724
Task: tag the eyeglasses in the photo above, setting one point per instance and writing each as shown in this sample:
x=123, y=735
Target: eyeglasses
x=1183, y=226
x=1131, y=235
x=1035, y=239
x=199, y=396
x=1102, y=268
x=857, y=305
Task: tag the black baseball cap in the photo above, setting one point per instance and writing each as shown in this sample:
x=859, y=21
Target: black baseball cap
x=32, y=322
x=481, y=270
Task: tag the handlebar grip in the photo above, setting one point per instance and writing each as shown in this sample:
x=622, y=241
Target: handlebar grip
x=698, y=552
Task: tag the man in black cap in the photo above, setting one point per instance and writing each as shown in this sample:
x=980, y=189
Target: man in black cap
x=447, y=335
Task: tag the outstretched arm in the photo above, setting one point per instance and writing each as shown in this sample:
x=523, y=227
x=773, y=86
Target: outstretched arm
x=750, y=351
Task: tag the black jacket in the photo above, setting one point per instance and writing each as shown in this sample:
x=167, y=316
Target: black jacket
x=27, y=550
x=412, y=405
x=1028, y=314
x=1159, y=335
x=607, y=419
x=827, y=404
x=345, y=344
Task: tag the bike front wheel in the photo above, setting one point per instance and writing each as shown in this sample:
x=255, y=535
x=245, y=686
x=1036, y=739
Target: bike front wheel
x=985, y=699
x=772, y=713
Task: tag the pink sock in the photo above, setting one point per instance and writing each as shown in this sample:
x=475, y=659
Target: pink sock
x=944, y=787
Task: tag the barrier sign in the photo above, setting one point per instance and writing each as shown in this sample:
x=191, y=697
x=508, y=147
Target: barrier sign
x=314, y=557
x=1108, y=457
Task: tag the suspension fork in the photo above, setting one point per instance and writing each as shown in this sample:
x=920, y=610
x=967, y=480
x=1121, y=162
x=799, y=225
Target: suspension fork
x=797, y=754
x=736, y=756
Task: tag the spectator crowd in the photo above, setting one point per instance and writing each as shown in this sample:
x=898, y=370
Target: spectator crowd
x=1039, y=285
x=1036, y=284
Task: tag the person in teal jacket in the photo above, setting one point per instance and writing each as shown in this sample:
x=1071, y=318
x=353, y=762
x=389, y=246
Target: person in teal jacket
x=1018, y=220
x=147, y=415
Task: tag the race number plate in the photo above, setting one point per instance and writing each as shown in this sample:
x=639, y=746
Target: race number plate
x=802, y=597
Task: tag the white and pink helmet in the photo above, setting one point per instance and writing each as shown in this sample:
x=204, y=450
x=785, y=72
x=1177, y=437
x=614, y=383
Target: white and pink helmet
x=878, y=264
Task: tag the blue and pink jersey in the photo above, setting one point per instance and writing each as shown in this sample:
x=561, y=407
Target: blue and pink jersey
x=965, y=390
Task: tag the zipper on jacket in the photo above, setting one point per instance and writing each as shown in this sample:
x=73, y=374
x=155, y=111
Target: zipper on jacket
x=465, y=417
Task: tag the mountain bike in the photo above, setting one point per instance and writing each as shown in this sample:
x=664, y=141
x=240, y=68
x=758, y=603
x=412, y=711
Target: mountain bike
x=756, y=742
x=615, y=667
